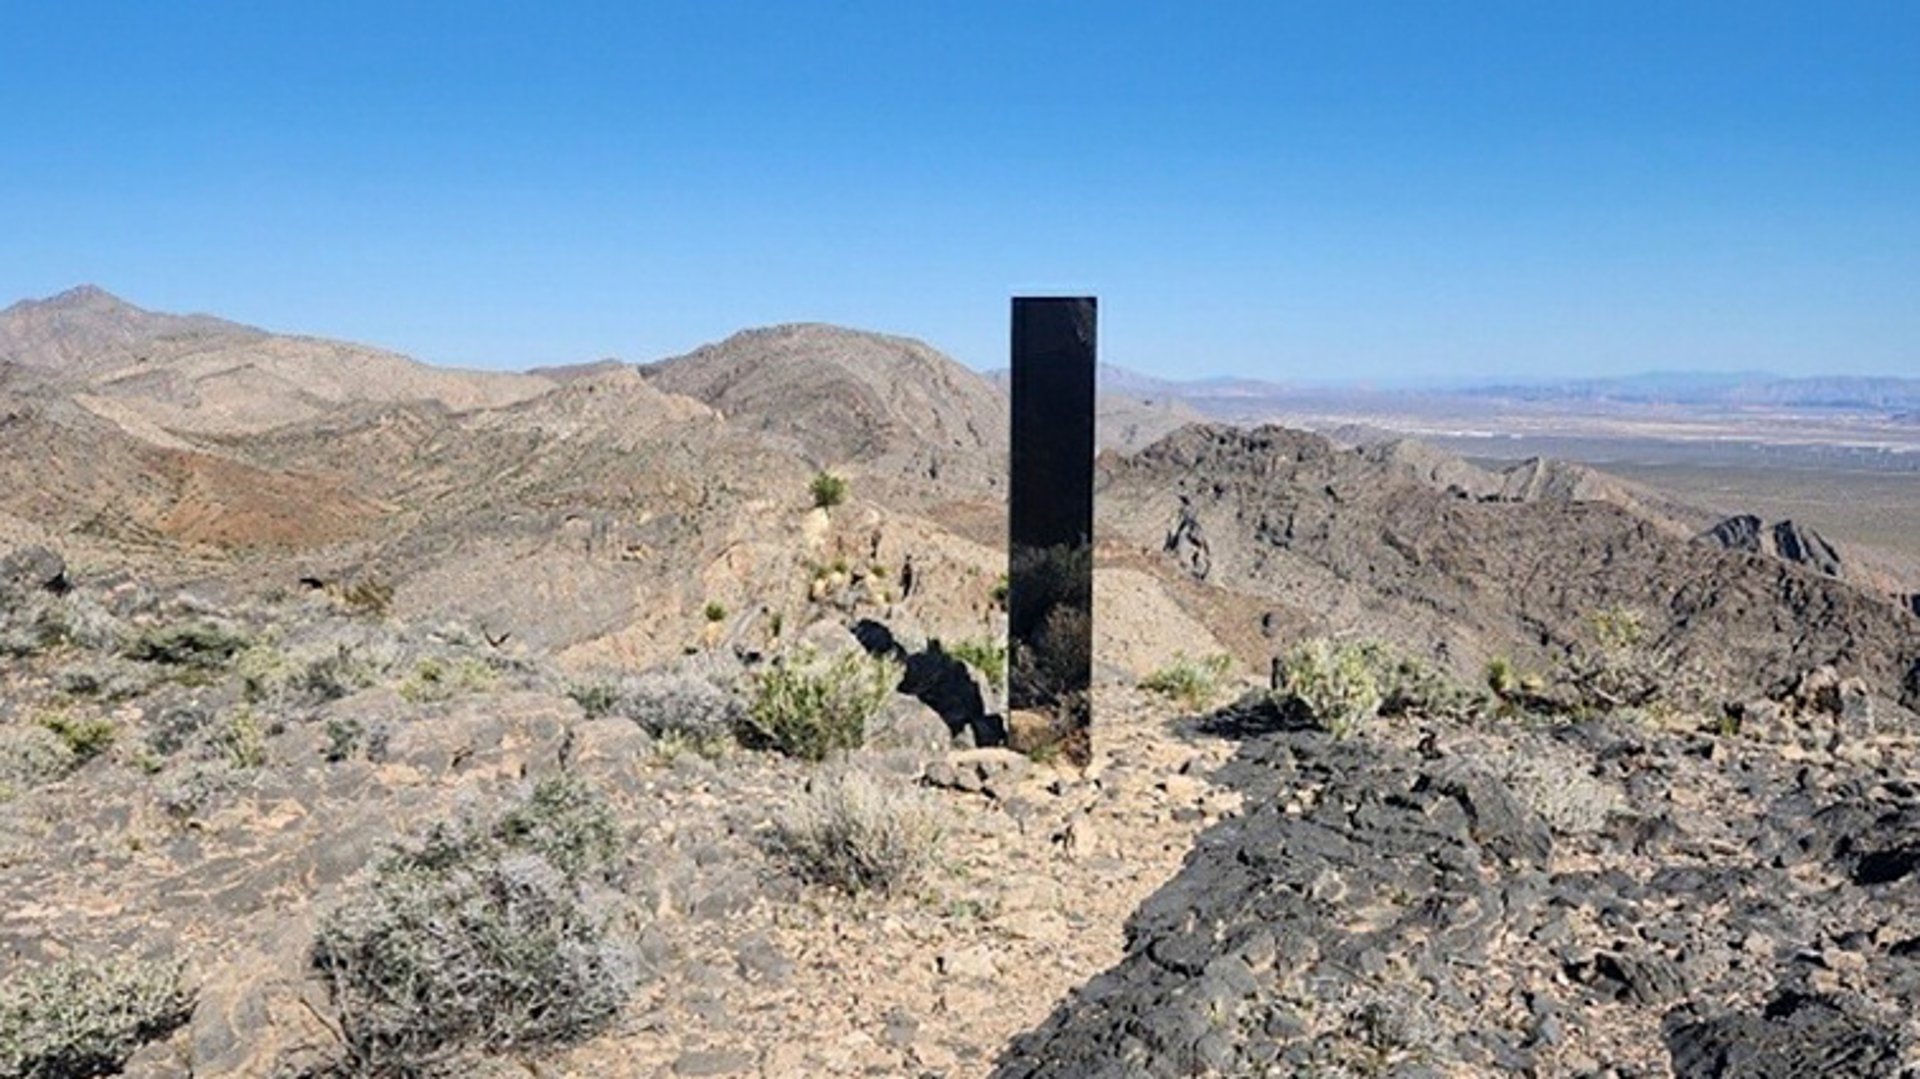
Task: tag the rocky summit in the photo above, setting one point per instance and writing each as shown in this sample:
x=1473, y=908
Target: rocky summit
x=359, y=718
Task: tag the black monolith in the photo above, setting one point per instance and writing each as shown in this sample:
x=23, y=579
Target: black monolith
x=1050, y=549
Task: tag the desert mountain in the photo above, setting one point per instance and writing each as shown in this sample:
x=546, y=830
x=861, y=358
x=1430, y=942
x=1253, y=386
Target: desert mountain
x=194, y=374
x=1356, y=541
x=892, y=406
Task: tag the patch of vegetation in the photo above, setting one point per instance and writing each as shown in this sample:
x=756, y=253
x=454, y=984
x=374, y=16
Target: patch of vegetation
x=369, y=597
x=828, y=490
x=859, y=833
x=482, y=937
x=1410, y=686
x=439, y=680
x=984, y=654
x=339, y=674
x=267, y=674
x=86, y=737
x=84, y=1017
x=1330, y=683
x=596, y=699
x=1196, y=684
x=714, y=611
x=29, y=756
x=196, y=645
x=812, y=709
x=683, y=711
x=1619, y=666
x=242, y=741
x=174, y=728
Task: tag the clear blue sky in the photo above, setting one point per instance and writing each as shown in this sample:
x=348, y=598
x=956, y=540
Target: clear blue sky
x=1288, y=190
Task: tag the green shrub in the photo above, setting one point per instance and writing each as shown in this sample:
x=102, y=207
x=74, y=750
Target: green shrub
x=984, y=654
x=80, y=1018
x=369, y=597
x=1193, y=683
x=267, y=674
x=1410, y=686
x=241, y=740
x=336, y=675
x=811, y=709
x=857, y=832
x=482, y=937
x=438, y=680
x=1332, y=684
x=828, y=490
x=596, y=699
x=196, y=645
x=566, y=821
x=29, y=756
x=714, y=611
x=86, y=737
x=1616, y=667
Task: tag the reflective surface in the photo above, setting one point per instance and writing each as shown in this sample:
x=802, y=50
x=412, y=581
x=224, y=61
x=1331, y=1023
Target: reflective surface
x=1050, y=564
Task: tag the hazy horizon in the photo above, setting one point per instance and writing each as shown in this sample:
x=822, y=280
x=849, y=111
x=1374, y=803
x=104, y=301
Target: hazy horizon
x=1403, y=196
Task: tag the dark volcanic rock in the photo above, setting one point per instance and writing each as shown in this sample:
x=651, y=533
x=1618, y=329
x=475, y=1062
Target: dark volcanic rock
x=1404, y=901
x=1793, y=1038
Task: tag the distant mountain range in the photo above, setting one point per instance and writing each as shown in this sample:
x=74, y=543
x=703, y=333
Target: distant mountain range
x=1692, y=388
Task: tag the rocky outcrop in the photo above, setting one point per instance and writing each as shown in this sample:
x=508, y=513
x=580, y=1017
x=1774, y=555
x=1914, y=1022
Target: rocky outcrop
x=1427, y=903
x=1784, y=540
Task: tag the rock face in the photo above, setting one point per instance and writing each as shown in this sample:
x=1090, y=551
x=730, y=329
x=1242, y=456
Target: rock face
x=1438, y=910
x=1784, y=540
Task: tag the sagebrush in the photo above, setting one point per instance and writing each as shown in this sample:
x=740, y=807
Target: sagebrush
x=858, y=832
x=485, y=936
x=84, y=1017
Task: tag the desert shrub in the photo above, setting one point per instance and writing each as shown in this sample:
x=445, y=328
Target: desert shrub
x=196, y=645
x=1410, y=686
x=857, y=832
x=368, y=597
x=266, y=673
x=828, y=490
x=984, y=654
x=241, y=739
x=1563, y=792
x=187, y=791
x=86, y=737
x=1331, y=683
x=567, y=822
x=1618, y=665
x=340, y=673
x=679, y=708
x=596, y=699
x=484, y=936
x=714, y=611
x=176, y=727
x=32, y=625
x=109, y=682
x=439, y=680
x=810, y=709
x=79, y=1018
x=1193, y=683
x=29, y=756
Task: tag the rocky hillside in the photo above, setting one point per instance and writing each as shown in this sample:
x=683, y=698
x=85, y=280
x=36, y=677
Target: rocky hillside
x=196, y=374
x=1337, y=541
x=889, y=406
